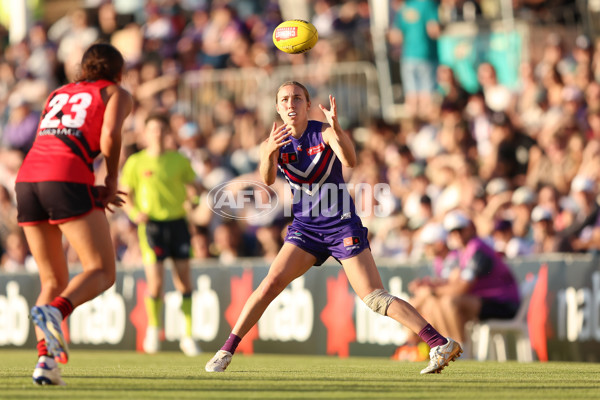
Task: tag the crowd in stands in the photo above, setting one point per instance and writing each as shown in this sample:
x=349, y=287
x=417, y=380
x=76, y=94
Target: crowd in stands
x=522, y=163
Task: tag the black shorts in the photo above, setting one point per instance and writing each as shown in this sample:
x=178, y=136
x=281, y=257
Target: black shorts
x=169, y=239
x=54, y=202
x=491, y=309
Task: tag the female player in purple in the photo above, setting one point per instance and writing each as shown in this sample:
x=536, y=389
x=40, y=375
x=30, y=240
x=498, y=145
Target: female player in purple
x=311, y=155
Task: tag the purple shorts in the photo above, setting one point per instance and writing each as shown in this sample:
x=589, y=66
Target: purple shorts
x=349, y=241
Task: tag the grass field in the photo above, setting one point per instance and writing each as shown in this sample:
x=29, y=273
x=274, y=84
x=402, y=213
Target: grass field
x=129, y=375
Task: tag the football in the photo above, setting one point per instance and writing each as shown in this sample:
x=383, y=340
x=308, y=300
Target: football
x=295, y=36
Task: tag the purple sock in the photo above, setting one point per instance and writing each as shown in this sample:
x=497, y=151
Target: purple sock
x=232, y=343
x=432, y=337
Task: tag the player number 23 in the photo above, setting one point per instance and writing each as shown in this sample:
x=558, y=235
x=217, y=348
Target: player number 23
x=75, y=119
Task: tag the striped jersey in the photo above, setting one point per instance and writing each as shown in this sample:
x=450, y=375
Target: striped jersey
x=321, y=200
x=68, y=135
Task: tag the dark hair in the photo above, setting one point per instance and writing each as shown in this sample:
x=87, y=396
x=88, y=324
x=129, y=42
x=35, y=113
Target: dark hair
x=101, y=61
x=293, y=83
x=159, y=116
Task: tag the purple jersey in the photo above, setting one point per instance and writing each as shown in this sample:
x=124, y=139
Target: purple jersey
x=491, y=277
x=321, y=200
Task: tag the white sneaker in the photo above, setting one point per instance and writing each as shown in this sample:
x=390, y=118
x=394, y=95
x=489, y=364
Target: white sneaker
x=48, y=319
x=440, y=357
x=151, y=341
x=189, y=346
x=219, y=362
x=46, y=372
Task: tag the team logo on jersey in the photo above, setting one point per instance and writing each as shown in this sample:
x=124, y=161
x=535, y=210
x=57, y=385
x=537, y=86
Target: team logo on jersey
x=299, y=148
x=289, y=158
x=148, y=173
x=351, y=241
x=316, y=149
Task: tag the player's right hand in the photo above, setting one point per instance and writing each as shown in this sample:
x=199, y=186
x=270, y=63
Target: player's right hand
x=278, y=138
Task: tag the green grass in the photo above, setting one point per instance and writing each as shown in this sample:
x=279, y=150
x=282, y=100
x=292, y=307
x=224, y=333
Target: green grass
x=118, y=375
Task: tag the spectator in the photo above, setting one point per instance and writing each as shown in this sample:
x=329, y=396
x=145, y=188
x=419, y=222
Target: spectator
x=497, y=97
x=523, y=201
x=550, y=161
x=416, y=26
x=451, y=91
x=485, y=288
x=545, y=239
x=510, y=151
x=17, y=257
x=584, y=232
x=19, y=132
x=506, y=244
x=227, y=242
x=8, y=214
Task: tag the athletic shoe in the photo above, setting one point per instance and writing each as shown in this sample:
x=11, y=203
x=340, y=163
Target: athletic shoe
x=151, y=341
x=48, y=319
x=440, y=357
x=219, y=362
x=46, y=372
x=189, y=346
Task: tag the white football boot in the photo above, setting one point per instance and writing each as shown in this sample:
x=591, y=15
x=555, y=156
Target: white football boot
x=219, y=362
x=440, y=357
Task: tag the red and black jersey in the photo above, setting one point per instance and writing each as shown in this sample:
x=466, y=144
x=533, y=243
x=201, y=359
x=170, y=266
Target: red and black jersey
x=68, y=135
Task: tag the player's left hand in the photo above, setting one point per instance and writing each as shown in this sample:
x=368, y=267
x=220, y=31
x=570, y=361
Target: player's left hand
x=330, y=114
x=108, y=197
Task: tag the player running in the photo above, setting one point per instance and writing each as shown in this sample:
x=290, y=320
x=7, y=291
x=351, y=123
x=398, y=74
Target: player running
x=56, y=195
x=311, y=155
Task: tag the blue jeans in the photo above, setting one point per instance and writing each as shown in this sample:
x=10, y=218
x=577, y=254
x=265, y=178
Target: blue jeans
x=418, y=76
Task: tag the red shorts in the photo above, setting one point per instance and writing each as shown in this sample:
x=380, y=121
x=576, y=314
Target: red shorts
x=54, y=202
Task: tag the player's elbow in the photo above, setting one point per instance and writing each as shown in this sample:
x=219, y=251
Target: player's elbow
x=349, y=162
x=268, y=180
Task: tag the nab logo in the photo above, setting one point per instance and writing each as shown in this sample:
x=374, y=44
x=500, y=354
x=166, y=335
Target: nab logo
x=242, y=199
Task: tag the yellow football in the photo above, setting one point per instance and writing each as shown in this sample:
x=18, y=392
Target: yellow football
x=295, y=36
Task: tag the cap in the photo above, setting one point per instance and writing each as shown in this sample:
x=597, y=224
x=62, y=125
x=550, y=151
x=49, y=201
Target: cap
x=540, y=213
x=502, y=225
x=582, y=184
x=572, y=93
x=17, y=100
x=523, y=195
x=583, y=42
x=497, y=186
x=188, y=130
x=455, y=220
x=433, y=233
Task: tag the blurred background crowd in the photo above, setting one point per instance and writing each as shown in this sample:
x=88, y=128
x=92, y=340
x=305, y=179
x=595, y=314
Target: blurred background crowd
x=521, y=159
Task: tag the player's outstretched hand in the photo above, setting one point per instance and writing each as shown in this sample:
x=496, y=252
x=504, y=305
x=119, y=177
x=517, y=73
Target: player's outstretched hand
x=278, y=138
x=330, y=114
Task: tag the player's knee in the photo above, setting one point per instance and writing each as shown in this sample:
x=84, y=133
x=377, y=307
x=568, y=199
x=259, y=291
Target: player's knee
x=379, y=300
x=271, y=287
x=449, y=302
x=109, y=279
x=55, y=285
